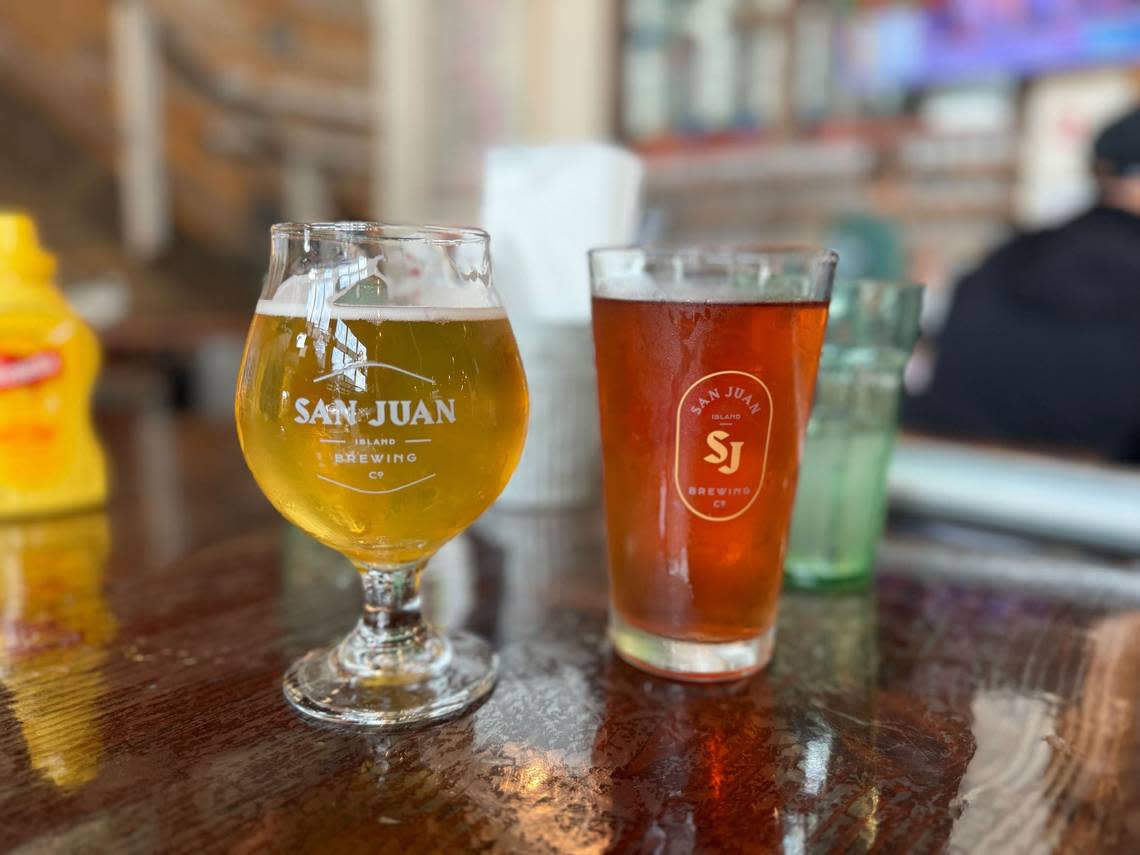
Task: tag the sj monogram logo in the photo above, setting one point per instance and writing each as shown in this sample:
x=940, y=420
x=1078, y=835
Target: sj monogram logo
x=721, y=454
x=724, y=425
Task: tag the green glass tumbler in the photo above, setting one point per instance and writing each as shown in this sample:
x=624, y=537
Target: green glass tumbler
x=841, y=497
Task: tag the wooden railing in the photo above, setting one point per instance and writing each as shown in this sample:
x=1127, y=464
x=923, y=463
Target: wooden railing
x=247, y=90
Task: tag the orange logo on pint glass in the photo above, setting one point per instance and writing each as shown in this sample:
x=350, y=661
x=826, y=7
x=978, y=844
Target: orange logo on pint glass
x=724, y=423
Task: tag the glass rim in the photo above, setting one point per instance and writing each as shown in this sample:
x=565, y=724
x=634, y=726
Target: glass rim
x=382, y=232
x=805, y=251
x=871, y=283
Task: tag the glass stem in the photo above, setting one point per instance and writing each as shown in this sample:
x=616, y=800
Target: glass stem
x=391, y=639
x=392, y=601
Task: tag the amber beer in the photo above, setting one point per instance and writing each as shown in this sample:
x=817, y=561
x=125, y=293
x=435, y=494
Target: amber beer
x=383, y=432
x=703, y=410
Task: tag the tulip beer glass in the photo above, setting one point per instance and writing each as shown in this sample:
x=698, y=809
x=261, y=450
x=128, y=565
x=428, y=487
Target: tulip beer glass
x=381, y=407
x=706, y=363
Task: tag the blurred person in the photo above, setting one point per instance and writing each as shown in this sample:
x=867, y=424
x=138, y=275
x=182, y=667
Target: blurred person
x=1042, y=343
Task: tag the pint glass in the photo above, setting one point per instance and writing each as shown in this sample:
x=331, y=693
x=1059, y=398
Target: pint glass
x=706, y=365
x=841, y=500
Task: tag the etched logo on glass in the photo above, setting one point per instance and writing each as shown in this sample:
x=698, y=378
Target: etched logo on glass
x=724, y=425
x=389, y=460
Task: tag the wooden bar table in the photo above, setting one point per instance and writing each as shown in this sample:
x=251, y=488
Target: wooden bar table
x=140, y=704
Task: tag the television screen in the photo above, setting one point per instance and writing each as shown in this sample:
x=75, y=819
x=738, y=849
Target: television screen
x=960, y=41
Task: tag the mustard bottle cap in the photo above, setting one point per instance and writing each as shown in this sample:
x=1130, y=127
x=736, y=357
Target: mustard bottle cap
x=20, y=249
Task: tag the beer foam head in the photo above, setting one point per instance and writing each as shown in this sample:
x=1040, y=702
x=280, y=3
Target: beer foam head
x=357, y=290
x=643, y=286
x=323, y=313
x=634, y=286
x=646, y=289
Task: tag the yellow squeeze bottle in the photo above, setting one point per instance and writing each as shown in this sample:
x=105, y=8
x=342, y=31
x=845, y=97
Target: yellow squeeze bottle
x=50, y=460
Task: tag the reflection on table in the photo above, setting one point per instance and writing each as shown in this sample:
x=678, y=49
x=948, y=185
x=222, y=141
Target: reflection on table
x=968, y=701
x=55, y=628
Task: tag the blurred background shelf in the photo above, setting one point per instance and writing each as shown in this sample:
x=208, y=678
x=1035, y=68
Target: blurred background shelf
x=156, y=140
x=930, y=114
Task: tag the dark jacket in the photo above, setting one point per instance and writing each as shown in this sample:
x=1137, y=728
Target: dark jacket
x=1042, y=344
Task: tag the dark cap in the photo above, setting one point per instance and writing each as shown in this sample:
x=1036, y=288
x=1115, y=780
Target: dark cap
x=1117, y=147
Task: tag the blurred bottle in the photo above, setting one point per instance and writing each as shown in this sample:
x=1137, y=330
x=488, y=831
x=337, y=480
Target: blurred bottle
x=713, y=47
x=50, y=460
x=645, y=69
x=55, y=626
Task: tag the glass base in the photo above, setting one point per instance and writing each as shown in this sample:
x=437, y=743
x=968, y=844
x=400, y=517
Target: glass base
x=693, y=661
x=823, y=575
x=319, y=686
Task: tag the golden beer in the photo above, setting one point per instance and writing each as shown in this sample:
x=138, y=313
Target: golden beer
x=382, y=432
